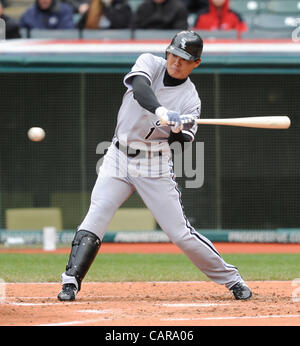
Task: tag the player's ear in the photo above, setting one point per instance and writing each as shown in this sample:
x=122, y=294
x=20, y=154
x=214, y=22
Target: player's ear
x=197, y=62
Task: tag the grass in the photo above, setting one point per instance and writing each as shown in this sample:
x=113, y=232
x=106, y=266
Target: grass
x=147, y=267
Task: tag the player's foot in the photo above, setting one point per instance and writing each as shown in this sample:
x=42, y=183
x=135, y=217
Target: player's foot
x=241, y=291
x=68, y=292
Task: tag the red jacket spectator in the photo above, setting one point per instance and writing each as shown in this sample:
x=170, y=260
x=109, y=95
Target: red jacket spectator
x=219, y=16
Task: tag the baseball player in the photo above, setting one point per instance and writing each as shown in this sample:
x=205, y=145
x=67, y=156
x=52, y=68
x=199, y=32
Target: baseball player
x=140, y=159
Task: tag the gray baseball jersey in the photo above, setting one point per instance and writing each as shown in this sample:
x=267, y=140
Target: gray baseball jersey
x=135, y=123
x=152, y=175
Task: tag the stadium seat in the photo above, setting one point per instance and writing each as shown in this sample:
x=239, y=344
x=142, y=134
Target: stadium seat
x=33, y=218
x=132, y=219
x=245, y=6
x=113, y=34
x=248, y=18
x=247, y=9
x=134, y=4
x=25, y=33
x=291, y=7
x=192, y=19
x=55, y=34
x=268, y=21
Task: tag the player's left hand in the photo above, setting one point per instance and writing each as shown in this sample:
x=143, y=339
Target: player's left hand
x=188, y=121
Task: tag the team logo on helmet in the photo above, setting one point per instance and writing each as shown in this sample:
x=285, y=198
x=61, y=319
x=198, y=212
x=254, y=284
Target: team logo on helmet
x=183, y=43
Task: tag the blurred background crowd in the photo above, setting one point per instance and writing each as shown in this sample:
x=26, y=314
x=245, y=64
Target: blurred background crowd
x=209, y=15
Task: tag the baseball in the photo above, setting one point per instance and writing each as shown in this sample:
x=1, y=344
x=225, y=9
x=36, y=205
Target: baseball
x=36, y=134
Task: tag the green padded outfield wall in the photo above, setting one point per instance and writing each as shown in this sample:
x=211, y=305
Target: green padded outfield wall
x=251, y=176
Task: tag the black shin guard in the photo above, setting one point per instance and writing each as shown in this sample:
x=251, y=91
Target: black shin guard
x=85, y=247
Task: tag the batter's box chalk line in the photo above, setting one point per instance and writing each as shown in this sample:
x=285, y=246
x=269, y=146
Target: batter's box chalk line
x=95, y=311
x=179, y=305
x=229, y=318
x=72, y=323
x=42, y=304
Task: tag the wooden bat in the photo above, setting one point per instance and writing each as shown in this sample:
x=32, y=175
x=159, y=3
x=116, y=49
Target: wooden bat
x=271, y=122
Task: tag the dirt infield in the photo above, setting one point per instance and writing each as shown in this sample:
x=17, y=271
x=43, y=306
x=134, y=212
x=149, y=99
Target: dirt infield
x=150, y=304
x=274, y=303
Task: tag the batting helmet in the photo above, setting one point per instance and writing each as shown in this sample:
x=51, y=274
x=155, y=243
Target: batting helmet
x=186, y=44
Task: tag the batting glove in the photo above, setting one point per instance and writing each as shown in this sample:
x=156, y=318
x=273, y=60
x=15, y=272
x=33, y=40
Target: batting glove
x=188, y=121
x=170, y=118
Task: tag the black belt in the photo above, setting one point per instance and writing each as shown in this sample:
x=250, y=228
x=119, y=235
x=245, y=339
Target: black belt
x=141, y=153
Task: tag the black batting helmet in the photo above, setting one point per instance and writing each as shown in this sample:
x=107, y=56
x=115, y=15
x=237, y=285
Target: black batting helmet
x=186, y=44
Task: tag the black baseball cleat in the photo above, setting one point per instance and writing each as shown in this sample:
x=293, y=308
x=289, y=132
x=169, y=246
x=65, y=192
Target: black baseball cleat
x=241, y=291
x=68, y=292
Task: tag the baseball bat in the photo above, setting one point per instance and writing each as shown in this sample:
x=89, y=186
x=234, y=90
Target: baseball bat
x=269, y=122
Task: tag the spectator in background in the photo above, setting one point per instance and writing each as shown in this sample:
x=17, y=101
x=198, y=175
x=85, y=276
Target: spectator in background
x=161, y=14
x=11, y=26
x=106, y=14
x=219, y=16
x=48, y=14
x=196, y=6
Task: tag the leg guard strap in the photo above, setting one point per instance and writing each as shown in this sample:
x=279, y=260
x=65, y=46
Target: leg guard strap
x=85, y=247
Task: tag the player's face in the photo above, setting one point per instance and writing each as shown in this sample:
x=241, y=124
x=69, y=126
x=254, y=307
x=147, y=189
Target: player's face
x=180, y=68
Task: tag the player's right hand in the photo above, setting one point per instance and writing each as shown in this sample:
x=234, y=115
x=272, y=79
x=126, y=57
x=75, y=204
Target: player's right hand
x=170, y=118
x=188, y=121
x=174, y=120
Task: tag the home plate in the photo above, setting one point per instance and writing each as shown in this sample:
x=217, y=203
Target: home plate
x=195, y=304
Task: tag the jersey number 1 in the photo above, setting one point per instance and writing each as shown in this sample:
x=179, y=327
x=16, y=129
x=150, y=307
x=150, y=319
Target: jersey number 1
x=150, y=132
